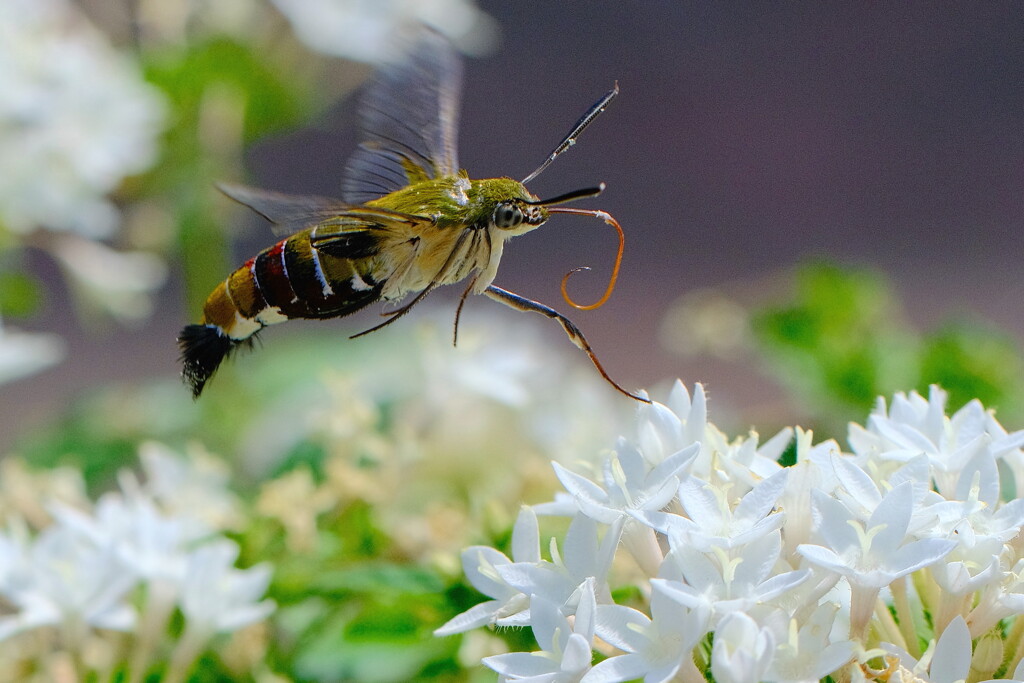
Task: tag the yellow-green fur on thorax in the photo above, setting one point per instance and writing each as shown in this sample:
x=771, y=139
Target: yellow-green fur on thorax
x=453, y=204
x=455, y=201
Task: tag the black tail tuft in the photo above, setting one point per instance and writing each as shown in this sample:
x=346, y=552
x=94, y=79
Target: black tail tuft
x=203, y=348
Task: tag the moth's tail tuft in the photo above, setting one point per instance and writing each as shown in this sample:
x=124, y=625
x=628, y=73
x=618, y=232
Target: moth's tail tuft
x=203, y=348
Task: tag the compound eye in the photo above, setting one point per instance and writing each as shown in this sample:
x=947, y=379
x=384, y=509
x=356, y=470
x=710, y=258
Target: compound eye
x=507, y=216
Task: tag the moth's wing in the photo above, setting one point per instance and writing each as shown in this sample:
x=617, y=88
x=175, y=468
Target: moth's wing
x=360, y=232
x=408, y=120
x=287, y=213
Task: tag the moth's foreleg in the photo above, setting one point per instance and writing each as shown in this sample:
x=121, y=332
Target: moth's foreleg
x=521, y=303
x=458, y=311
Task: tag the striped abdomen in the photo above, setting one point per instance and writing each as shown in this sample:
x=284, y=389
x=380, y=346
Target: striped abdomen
x=289, y=280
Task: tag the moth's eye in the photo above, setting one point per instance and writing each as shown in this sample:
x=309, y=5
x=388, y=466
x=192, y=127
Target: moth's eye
x=507, y=216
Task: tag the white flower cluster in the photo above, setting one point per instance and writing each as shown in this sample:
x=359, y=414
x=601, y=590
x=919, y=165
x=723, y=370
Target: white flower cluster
x=371, y=30
x=75, y=119
x=25, y=353
x=841, y=564
x=127, y=564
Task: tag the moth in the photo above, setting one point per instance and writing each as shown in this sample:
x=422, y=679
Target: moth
x=411, y=221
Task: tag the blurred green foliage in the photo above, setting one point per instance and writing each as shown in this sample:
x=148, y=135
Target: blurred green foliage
x=224, y=96
x=354, y=605
x=842, y=340
x=19, y=294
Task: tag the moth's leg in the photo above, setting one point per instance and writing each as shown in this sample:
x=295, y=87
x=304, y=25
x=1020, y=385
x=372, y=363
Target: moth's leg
x=458, y=311
x=520, y=303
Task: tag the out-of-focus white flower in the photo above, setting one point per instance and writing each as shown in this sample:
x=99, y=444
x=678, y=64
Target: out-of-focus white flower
x=64, y=578
x=150, y=544
x=294, y=500
x=75, y=119
x=26, y=353
x=370, y=30
x=193, y=485
x=27, y=494
x=217, y=597
x=175, y=22
x=119, y=283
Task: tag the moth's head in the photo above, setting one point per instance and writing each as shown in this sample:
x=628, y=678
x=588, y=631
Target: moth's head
x=515, y=210
x=511, y=208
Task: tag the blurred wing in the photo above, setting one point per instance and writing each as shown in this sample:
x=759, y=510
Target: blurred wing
x=408, y=116
x=291, y=213
x=288, y=213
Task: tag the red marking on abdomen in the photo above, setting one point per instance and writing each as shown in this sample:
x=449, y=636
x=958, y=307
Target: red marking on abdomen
x=271, y=277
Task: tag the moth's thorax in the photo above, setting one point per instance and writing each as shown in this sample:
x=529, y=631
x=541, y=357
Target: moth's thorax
x=457, y=201
x=461, y=237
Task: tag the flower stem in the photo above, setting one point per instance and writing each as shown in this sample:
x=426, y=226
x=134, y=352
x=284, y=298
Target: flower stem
x=1014, y=641
x=185, y=654
x=159, y=605
x=888, y=627
x=689, y=673
x=642, y=544
x=906, y=618
x=862, y=606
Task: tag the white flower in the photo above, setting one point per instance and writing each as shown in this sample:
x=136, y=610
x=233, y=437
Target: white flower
x=656, y=646
x=216, y=597
x=870, y=553
x=808, y=652
x=368, y=30
x=151, y=544
x=664, y=430
x=582, y=556
x=797, y=572
x=946, y=661
x=726, y=582
x=812, y=471
x=628, y=484
x=566, y=648
x=915, y=426
x=875, y=552
x=194, y=485
x=711, y=522
x=75, y=119
x=118, y=283
x=62, y=577
x=26, y=353
x=742, y=649
x=481, y=565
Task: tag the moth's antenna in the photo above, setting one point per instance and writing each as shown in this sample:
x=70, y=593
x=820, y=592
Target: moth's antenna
x=570, y=139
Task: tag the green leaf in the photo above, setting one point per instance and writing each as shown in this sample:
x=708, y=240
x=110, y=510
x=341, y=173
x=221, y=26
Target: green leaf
x=839, y=342
x=19, y=294
x=971, y=359
x=377, y=577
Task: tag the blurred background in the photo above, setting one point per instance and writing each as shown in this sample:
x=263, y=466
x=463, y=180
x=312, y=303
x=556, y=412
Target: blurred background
x=748, y=141
x=822, y=205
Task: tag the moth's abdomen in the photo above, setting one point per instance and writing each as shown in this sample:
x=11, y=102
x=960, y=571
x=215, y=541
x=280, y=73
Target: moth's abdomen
x=291, y=279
